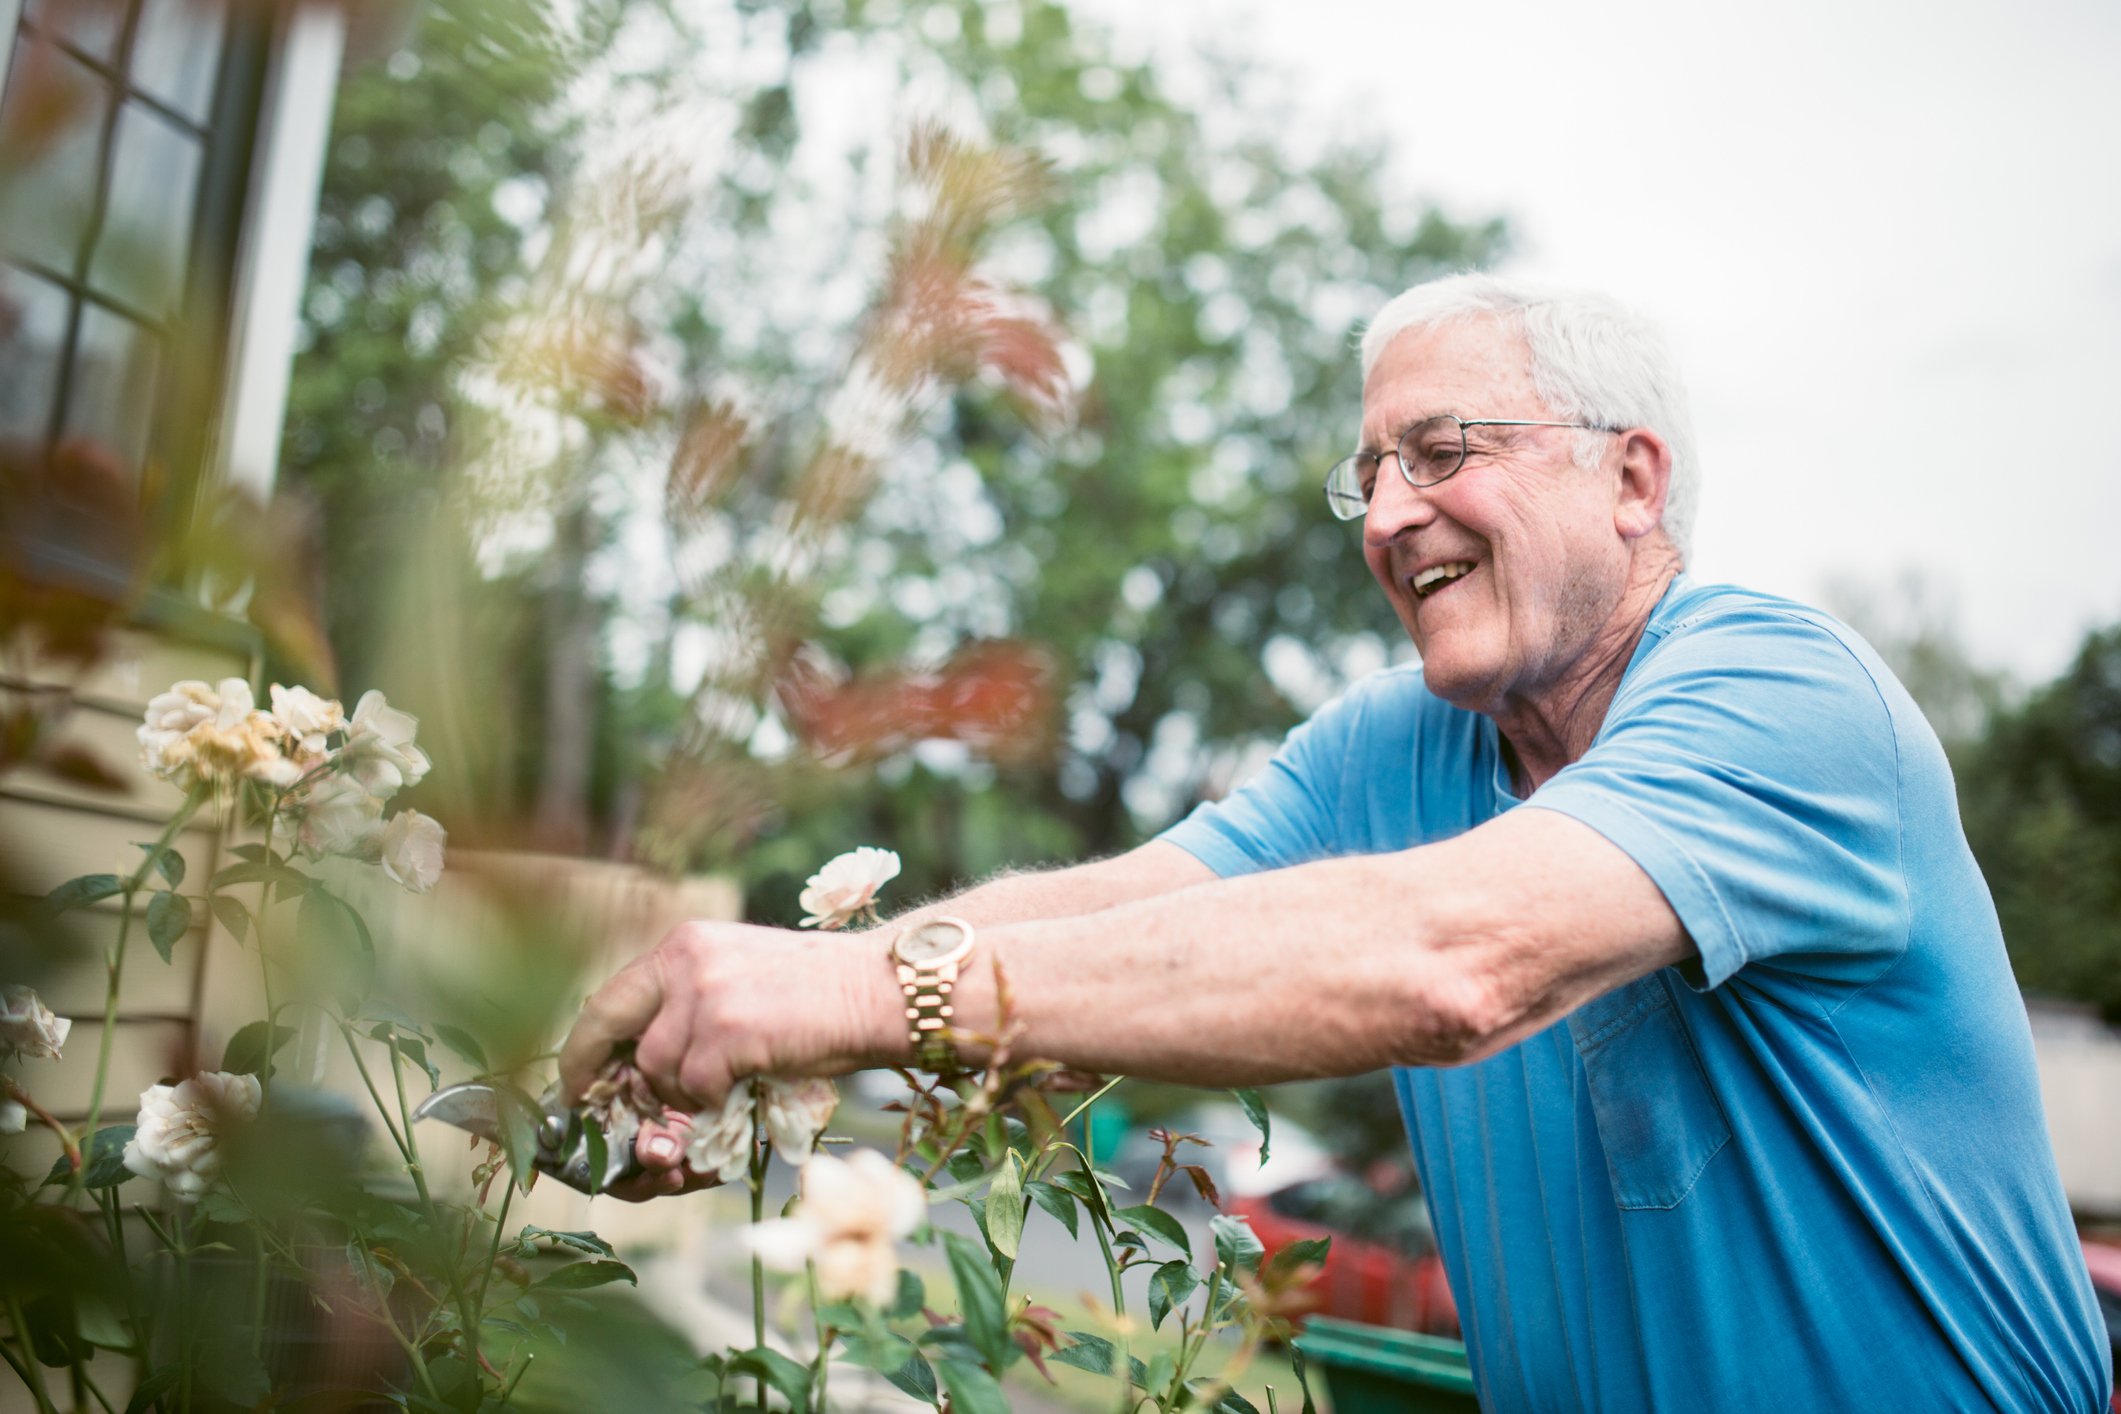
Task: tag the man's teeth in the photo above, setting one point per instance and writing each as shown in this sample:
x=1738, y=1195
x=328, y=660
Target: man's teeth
x=1434, y=575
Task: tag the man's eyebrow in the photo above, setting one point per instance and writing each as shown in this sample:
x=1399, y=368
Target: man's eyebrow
x=1393, y=433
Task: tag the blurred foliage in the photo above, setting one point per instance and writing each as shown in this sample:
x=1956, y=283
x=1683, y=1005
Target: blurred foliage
x=2040, y=793
x=1158, y=565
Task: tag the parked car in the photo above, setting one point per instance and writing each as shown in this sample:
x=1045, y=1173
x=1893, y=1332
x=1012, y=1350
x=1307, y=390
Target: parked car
x=1383, y=1268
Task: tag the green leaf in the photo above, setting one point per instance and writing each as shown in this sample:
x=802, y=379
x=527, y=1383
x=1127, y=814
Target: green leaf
x=166, y=862
x=785, y=1377
x=979, y=1296
x=152, y=1388
x=463, y=1043
x=910, y=1297
x=1005, y=1207
x=103, y=1158
x=1310, y=1250
x=1095, y=1354
x=1057, y=1201
x=1236, y=1247
x=250, y=853
x=580, y=1241
x=1169, y=1286
x=289, y=881
x=83, y=891
x=1229, y=1401
x=329, y=921
x=972, y=1390
x=1255, y=1109
x=250, y=1050
x=1158, y=1376
x=520, y=1117
x=915, y=1378
x=579, y=1276
x=1157, y=1223
x=233, y=915
x=411, y=1047
x=168, y=919
x=1083, y=1186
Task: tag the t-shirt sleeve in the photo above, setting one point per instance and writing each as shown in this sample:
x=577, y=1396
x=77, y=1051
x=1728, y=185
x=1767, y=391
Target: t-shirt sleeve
x=1288, y=813
x=1750, y=766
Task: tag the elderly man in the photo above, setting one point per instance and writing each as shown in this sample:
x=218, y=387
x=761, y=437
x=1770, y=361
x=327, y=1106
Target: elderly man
x=1653, y=892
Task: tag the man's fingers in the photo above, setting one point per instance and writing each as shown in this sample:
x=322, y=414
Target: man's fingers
x=620, y=1011
x=660, y=1146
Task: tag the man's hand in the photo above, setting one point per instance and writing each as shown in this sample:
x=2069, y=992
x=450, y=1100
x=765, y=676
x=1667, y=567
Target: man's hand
x=714, y=1003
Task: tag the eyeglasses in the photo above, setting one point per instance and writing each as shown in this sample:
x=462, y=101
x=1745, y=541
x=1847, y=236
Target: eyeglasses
x=1430, y=451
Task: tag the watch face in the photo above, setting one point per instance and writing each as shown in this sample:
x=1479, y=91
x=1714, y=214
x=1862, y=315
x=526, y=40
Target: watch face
x=937, y=940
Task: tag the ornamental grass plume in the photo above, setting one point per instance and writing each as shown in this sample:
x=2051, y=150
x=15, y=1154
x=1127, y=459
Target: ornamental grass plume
x=181, y=1129
x=846, y=887
x=850, y=1216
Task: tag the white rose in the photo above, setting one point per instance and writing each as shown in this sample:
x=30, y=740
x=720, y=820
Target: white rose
x=181, y=1128
x=722, y=1140
x=165, y=747
x=379, y=751
x=13, y=1118
x=837, y=893
x=412, y=850
x=331, y=815
x=194, y=732
x=307, y=721
x=797, y=1112
x=849, y=1219
x=27, y=1025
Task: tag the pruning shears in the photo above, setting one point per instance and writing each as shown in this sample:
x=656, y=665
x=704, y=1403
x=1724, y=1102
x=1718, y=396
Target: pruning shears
x=562, y=1139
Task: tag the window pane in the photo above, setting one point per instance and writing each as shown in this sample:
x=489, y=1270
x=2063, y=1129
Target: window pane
x=44, y=210
x=113, y=396
x=32, y=330
x=176, y=51
x=147, y=223
x=91, y=26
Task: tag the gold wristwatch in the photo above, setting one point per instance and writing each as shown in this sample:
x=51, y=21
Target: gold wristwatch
x=928, y=958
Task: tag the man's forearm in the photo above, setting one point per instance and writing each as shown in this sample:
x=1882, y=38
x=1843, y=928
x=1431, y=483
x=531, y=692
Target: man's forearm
x=1141, y=873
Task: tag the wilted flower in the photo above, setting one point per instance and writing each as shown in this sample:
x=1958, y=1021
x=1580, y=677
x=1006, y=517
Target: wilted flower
x=194, y=732
x=722, y=1140
x=181, y=1128
x=797, y=1112
x=849, y=1219
x=838, y=893
x=412, y=850
x=379, y=752
x=333, y=814
x=27, y=1025
x=306, y=721
x=619, y=1099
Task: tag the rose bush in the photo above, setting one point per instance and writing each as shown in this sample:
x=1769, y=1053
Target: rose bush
x=257, y=1171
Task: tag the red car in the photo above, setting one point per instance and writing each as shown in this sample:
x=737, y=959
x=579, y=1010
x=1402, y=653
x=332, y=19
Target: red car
x=1382, y=1269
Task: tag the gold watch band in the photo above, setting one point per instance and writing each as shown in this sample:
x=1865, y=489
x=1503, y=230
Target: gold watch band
x=928, y=1013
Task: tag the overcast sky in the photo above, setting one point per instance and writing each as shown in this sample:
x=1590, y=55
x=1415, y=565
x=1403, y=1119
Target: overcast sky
x=1885, y=240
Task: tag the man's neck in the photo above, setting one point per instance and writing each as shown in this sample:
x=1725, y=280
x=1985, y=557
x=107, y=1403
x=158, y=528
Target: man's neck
x=1546, y=733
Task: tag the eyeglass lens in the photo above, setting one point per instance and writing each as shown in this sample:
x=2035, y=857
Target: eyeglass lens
x=1430, y=451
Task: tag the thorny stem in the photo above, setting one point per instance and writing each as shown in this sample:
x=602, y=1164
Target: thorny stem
x=419, y=1181
x=758, y=1215
x=30, y=1368
x=493, y=1253
x=115, y=969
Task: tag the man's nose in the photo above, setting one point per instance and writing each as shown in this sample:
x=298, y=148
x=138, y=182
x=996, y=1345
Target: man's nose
x=1396, y=507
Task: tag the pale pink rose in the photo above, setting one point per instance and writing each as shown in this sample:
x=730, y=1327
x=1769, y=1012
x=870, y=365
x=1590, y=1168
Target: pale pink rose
x=849, y=1219
x=838, y=893
x=723, y=1140
x=306, y=722
x=181, y=1129
x=27, y=1025
x=379, y=752
x=797, y=1112
x=331, y=815
x=412, y=850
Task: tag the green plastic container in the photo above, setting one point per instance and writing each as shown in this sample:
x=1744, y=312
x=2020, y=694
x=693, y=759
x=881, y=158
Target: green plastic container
x=1374, y=1370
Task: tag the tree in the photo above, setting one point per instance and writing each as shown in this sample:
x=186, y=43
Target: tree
x=2041, y=797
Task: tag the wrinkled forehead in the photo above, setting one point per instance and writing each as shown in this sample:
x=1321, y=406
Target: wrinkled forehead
x=1474, y=367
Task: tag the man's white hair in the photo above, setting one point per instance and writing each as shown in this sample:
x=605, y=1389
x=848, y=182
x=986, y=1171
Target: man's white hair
x=1593, y=360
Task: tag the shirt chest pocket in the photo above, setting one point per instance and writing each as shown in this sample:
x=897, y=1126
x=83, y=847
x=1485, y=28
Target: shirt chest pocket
x=1658, y=1121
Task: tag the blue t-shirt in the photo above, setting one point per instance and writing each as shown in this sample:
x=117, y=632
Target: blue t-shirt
x=1807, y=1171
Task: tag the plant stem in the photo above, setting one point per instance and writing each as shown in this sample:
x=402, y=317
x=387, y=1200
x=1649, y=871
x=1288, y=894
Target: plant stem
x=758, y=1215
x=115, y=970
x=100, y=1398
x=261, y=1281
x=434, y=1214
x=382, y=1110
x=825, y=1336
x=493, y=1253
x=30, y=1368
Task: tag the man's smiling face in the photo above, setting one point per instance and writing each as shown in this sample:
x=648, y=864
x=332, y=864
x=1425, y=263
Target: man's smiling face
x=1532, y=564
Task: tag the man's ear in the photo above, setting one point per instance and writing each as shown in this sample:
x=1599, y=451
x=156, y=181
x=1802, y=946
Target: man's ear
x=1645, y=479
